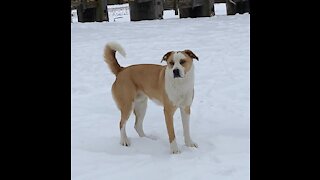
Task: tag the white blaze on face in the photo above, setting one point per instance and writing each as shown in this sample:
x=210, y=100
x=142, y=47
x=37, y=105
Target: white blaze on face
x=177, y=56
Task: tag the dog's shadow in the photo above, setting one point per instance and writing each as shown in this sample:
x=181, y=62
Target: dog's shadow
x=139, y=146
x=111, y=145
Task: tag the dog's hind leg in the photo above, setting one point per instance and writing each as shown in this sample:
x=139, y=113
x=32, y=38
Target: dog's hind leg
x=140, y=106
x=124, y=100
x=125, y=114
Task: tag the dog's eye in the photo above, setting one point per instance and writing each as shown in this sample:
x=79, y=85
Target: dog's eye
x=171, y=63
x=182, y=61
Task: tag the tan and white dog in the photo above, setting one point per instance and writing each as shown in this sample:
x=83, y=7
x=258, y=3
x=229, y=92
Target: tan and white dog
x=171, y=85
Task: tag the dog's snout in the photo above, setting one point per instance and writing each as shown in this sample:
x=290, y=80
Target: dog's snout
x=176, y=73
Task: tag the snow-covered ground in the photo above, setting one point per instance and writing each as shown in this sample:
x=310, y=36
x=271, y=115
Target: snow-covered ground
x=219, y=116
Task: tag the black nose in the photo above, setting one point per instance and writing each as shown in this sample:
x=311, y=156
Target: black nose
x=176, y=73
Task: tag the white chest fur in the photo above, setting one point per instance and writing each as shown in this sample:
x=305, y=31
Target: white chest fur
x=180, y=90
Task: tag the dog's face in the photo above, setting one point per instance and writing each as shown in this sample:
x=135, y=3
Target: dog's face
x=179, y=62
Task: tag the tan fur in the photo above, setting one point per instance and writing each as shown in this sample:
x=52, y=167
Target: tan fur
x=166, y=56
x=168, y=112
x=188, y=62
x=109, y=57
x=190, y=54
x=187, y=110
x=147, y=79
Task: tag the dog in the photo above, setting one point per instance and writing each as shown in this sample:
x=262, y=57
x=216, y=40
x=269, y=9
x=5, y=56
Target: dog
x=171, y=86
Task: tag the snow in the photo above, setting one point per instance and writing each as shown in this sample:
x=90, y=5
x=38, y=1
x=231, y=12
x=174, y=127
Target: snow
x=220, y=116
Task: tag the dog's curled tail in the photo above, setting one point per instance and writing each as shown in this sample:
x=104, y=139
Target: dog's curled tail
x=110, y=56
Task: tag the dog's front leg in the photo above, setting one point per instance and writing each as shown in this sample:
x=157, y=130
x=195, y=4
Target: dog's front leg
x=185, y=116
x=168, y=112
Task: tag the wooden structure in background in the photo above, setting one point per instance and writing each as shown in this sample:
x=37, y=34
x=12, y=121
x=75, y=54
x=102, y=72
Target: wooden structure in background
x=195, y=8
x=96, y=10
x=237, y=6
x=145, y=9
x=112, y=2
x=199, y=8
x=91, y=10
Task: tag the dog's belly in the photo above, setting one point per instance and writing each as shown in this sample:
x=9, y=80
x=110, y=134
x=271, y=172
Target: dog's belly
x=156, y=101
x=142, y=95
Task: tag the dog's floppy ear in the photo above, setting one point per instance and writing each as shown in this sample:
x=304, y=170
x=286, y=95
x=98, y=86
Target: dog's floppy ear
x=166, y=56
x=191, y=54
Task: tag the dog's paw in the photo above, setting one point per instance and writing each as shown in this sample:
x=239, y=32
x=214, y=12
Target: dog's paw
x=125, y=142
x=174, y=148
x=192, y=144
x=175, y=151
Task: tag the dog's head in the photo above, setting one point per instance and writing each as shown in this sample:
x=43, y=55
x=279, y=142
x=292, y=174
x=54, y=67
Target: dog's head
x=179, y=62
